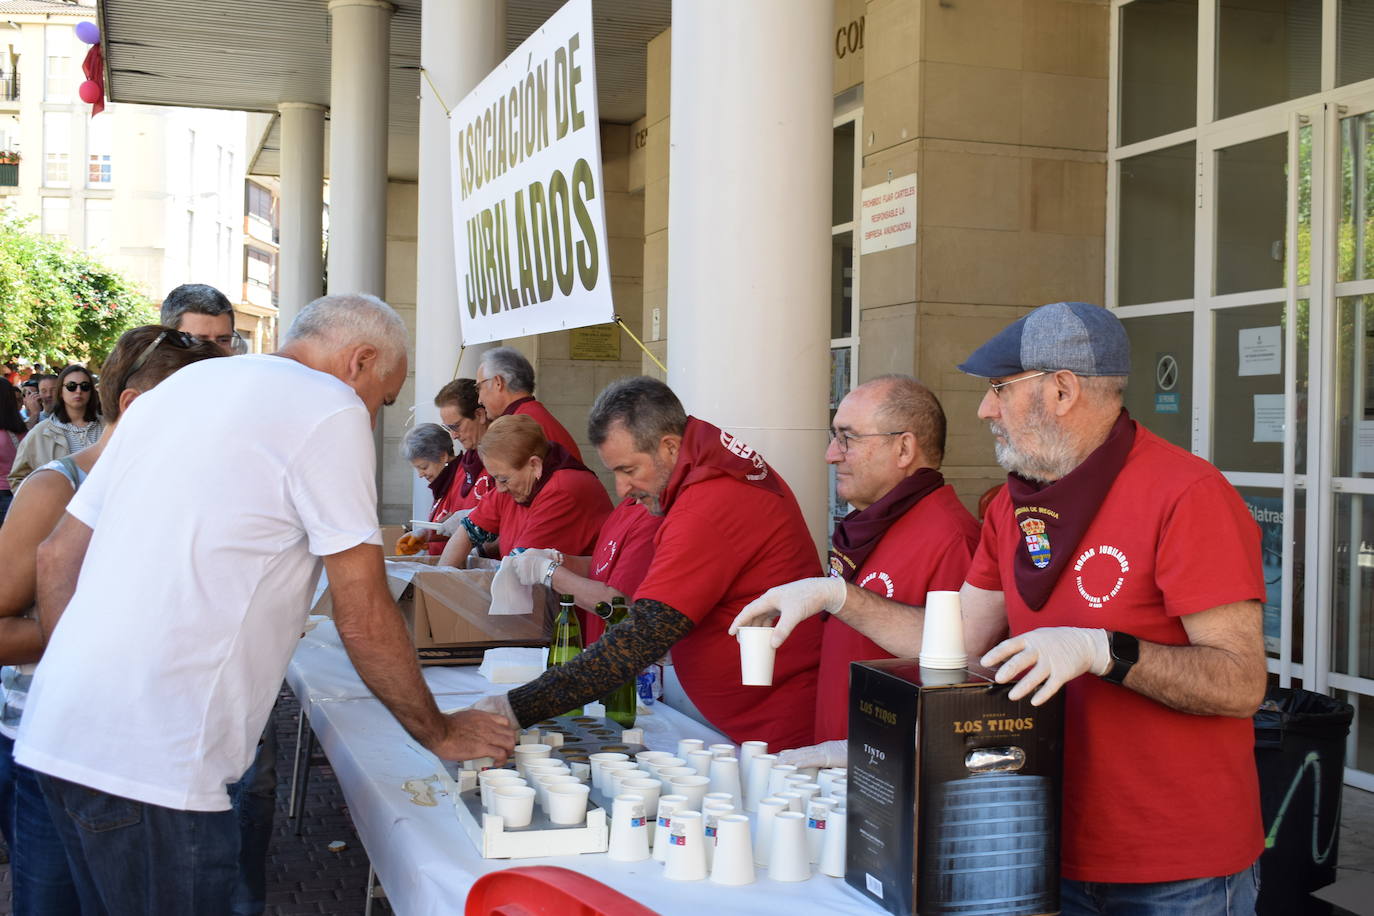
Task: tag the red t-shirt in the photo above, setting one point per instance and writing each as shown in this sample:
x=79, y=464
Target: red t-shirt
x=927, y=549
x=722, y=544
x=624, y=550
x=566, y=514
x=553, y=430
x=1150, y=793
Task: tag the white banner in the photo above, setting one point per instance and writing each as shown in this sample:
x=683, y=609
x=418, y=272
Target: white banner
x=529, y=220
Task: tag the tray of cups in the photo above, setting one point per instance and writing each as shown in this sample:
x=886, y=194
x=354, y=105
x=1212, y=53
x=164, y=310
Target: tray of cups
x=543, y=802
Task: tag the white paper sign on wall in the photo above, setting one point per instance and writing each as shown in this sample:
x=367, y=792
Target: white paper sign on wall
x=887, y=215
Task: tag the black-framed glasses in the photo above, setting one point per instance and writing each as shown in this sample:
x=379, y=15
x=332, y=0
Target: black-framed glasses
x=84, y=386
x=843, y=438
x=176, y=338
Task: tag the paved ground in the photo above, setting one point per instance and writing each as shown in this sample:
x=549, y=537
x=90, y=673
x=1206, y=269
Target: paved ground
x=304, y=877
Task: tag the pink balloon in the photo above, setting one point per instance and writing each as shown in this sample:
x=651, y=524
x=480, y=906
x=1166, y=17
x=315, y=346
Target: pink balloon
x=90, y=92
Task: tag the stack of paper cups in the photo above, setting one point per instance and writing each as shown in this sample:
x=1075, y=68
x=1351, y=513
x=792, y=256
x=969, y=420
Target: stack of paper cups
x=833, y=850
x=667, y=804
x=756, y=779
x=734, y=863
x=942, y=639
x=724, y=775
x=817, y=824
x=769, y=807
x=712, y=815
x=686, y=859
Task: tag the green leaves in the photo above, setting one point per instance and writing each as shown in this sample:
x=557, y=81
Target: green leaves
x=59, y=305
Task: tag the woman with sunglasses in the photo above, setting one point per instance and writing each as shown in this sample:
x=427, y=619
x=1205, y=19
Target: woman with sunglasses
x=142, y=358
x=75, y=425
x=12, y=430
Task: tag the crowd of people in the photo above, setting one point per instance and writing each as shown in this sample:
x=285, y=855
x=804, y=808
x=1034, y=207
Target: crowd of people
x=1111, y=566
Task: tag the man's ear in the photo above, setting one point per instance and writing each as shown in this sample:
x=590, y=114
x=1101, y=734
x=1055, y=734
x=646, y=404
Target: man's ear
x=362, y=358
x=1068, y=390
x=669, y=446
x=126, y=397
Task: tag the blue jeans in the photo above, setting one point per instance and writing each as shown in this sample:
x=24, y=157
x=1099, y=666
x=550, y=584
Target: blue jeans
x=41, y=876
x=254, y=798
x=132, y=858
x=1231, y=895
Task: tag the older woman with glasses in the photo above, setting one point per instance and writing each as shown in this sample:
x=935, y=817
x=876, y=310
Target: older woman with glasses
x=429, y=449
x=75, y=425
x=142, y=358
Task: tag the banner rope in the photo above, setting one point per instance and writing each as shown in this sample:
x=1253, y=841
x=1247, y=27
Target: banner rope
x=647, y=352
x=448, y=113
x=461, y=348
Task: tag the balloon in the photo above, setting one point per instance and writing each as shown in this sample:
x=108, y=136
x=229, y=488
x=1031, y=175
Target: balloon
x=88, y=32
x=90, y=92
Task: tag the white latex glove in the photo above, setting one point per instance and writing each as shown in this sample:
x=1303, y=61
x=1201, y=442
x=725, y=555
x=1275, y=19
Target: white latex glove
x=449, y=526
x=499, y=704
x=791, y=604
x=825, y=754
x=533, y=565
x=1053, y=655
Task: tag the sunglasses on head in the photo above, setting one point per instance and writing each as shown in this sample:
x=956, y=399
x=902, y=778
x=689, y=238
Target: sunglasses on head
x=176, y=338
x=84, y=386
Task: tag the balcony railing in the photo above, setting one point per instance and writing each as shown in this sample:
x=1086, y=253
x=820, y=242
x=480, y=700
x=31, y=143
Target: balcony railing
x=9, y=87
x=9, y=174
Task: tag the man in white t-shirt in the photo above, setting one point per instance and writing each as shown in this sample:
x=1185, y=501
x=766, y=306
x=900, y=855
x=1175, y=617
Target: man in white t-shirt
x=164, y=659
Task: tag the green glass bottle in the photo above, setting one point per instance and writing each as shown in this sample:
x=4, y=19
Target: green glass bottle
x=622, y=702
x=567, y=639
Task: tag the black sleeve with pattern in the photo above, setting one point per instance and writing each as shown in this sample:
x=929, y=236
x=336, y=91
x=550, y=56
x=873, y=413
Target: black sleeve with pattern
x=625, y=650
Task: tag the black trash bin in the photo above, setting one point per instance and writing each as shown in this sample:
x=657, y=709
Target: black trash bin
x=1300, y=754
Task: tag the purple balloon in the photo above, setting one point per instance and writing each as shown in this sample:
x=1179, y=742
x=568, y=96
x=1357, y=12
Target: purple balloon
x=88, y=32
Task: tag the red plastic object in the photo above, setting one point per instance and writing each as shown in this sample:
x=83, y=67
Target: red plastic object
x=544, y=890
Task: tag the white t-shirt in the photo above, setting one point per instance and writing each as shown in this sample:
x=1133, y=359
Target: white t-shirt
x=210, y=508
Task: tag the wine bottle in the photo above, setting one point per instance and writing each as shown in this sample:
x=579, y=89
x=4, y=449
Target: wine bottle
x=622, y=702
x=567, y=639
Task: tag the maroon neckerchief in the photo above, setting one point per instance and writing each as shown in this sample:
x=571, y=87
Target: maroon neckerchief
x=859, y=533
x=707, y=452
x=1053, y=517
x=439, y=485
x=557, y=459
x=511, y=407
x=472, y=469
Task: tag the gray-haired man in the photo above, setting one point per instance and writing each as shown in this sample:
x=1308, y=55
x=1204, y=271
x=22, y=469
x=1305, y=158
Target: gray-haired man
x=505, y=386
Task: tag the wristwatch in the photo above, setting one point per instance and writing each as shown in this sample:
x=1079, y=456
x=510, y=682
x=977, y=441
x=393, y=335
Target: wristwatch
x=1125, y=652
x=554, y=563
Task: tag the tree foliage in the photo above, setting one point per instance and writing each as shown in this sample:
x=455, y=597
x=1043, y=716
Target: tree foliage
x=59, y=305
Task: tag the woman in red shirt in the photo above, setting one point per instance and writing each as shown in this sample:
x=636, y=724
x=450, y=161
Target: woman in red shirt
x=429, y=449
x=544, y=496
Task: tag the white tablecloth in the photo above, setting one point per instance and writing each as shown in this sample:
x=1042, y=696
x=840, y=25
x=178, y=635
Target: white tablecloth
x=421, y=855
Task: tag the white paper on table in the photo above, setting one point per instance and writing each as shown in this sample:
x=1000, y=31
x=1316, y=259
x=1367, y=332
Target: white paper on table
x=508, y=596
x=513, y=665
x=1268, y=418
x=1261, y=352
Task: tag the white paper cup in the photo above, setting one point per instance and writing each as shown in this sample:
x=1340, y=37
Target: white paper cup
x=827, y=781
x=597, y=760
x=833, y=849
x=722, y=750
x=514, y=804
x=553, y=739
x=756, y=654
x=756, y=779
x=649, y=789
x=787, y=859
x=725, y=779
x=542, y=784
x=839, y=794
x=583, y=771
x=817, y=823
x=748, y=750
x=667, y=761
x=613, y=769
x=718, y=798
x=769, y=807
x=808, y=791
x=795, y=801
x=942, y=637
x=713, y=814
x=530, y=737
x=733, y=863
x=700, y=761
x=666, y=775
x=777, y=777
x=686, y=853
x=686, y=745
x=567, y=802
x=531, y=750
x=629, y=830
x=488, y=786
x=693, y=787
x=667, y=804
x=644, y=758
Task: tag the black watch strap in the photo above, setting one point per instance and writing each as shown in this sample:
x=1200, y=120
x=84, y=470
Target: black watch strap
x=1125, y=651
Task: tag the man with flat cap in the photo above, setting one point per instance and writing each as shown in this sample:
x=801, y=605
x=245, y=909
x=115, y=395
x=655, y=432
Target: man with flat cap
x=1127, y=572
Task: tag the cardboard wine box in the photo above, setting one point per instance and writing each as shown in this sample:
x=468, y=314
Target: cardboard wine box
x=954, y=793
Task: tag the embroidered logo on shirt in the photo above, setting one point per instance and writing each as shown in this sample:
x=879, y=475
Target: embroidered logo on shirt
x=736, y=447
x=1037, y=543
x=1099, y=582
x=882, y=577
x=600, y=570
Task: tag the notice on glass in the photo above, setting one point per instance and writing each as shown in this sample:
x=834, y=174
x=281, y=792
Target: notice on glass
x=1268, y=418
x=1261, y=351
x=887, y=215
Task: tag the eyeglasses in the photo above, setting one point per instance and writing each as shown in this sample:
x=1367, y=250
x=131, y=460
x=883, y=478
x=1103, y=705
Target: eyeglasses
x=843, y=438
x=175, y=338
x=482, y=382
x=84, y=386
x=997, y=387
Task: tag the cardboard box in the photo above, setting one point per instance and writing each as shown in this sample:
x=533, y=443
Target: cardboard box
x=446, y=611
x=954, y=794
x=390, y=535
